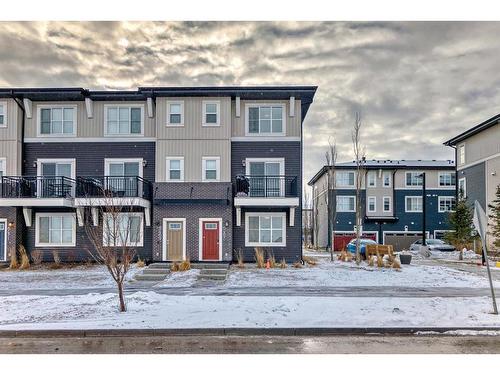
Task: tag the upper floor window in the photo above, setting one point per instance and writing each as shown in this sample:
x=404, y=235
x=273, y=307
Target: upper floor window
x=387, y=204
x=211, y=113
x=175, y=169
x=387, y=179
x=346, y=203
x=461, y=154
x=3, y=114
x=123, y=120
x=446, y=204
x=344, y=179
x=210, y=168
x=60, y=120
x=372, y=204
x=413, y=204
x=175, y=113
x=414, y=179
x=266, y=120
x=447, y=179
x=372, y=179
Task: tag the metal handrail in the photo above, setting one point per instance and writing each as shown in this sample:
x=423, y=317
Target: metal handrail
x=265, y=186
x=37, y=187
x=113, y=186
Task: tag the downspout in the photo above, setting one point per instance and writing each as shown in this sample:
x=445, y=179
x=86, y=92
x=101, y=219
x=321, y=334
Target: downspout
x=21, y=106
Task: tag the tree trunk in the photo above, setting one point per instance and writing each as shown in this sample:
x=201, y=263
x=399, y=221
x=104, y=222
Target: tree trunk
x=121, y=297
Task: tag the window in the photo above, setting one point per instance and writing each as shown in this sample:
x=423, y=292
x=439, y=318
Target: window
x=372, y=204
x=57, y=121
x=461, y=154
x=344, y=179
x=175, y=169
x=346, y=203
x=3, y=114
x=446, y=204
x=174, y=226
x=211, y=113
x=387, y=179
x=265, y=229
x=122, y=229
x=55, y=230
x=210, y=168
x=3, y=167
x=387, y=204
x=447, y=179
x=123, y=120
x=413, y=204
x=462, y=187
x=175, y=113
x=372, y=179
x=414, y=179
x=266, y=120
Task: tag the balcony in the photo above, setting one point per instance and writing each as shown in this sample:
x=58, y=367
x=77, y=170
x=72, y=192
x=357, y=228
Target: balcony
x=37, y=191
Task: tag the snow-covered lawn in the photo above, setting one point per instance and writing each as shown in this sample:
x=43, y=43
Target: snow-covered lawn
x=343, y=274
x=79, y=277
x=179, y=279
x=152, y=310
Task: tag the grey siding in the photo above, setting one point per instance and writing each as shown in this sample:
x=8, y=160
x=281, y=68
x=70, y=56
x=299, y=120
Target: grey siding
x=475, y=180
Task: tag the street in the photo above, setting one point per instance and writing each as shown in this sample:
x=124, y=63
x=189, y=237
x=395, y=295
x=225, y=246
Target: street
x=340, y=344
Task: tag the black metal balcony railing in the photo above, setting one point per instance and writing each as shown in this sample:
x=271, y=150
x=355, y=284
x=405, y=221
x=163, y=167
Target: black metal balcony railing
x=37, y=187
x=113, y=187
x=265, y=186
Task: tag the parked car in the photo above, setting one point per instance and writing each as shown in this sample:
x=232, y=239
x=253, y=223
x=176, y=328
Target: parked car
x=351, y=246
x=438, y=245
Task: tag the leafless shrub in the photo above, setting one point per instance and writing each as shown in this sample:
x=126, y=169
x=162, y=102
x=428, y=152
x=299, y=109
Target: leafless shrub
x=70, y=256
x=371, y=261
x=185, y=265
x=37, y=257
x=271, y=259
x=14, y=265
x=259, y=257
x=297, y=265
x=396, y=264
x=283, y=263
x=25, y=260
x=310, y=261
x=57, y=260
x=174, y=267
x=380, y=260
x=140, y=263
x=240, y=258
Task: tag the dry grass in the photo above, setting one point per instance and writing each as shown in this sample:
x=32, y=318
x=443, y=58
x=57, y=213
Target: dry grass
x=259, y=257
x=70, y=256
x=396, y=264
x=185, y=265
x=272, y=260
x=371, y=261
x=37, y=257
x=240, y=258
x=57, y=260
x=283, y=263
x=14, y=265
x=140, y=263
x=345, y=256
x=310, y=261
x=174, y=267
x=297, y=265
x=380, y=261
x=25, y=259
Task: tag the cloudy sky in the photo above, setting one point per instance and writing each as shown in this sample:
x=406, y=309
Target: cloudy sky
x=416, y=84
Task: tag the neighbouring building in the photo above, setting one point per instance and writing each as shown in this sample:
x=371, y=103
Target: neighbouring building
x=207, y=170
x=391, y=201
x=477, y=152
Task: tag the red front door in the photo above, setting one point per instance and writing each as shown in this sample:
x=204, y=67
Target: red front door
x=210, y=240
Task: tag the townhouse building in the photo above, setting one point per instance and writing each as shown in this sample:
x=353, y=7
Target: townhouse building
x=391, y=201
x=202, y=170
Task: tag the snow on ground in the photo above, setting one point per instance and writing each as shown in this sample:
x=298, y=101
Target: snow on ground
x=152, y=310
x=79, y=277
x=344, y=274
x=180, y=279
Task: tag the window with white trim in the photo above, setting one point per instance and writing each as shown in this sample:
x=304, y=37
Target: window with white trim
x=372, y=179
x=372, y=204
x=447, y=179
x=122, y=229
x=387, y=204
x=175, y=113
x=55, y=229
x=58, y=120
x=265, y=119
x=211, y=113
x=344, y=179
x=414, y=179
x=211, y=168
x=461, y=154
x=3, y=114
x=462, y=187
x=265, y=229
x=346, y=203
x=413, y=204
x=123, y=120
x=175, y=169
x=387, y=177
x=446, y=204
x=3, y=167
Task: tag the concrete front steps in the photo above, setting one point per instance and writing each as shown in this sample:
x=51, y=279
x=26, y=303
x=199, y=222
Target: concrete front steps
x=209, y=271
x=213, y=271
x=154, y=272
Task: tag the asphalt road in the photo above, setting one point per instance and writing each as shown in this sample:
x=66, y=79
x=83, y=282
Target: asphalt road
x=368, y=291
x=409, y=344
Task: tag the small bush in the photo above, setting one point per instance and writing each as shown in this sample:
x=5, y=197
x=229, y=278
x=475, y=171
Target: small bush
x=259, y=257
x=297, y=265
x=37, y=257
x=396, y=264
x=14, y=265
x=70, y=256
x=140, y=263
x=380, y=261
x=272, y=260
x=283, y=263
x=240, y=258
x=185, y=265
x=310, y=261
x=25, y=260
x=174, y=267
x=57, y=260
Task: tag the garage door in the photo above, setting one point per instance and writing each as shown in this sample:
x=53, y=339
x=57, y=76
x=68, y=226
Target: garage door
x=401, y=241
x=340, y=240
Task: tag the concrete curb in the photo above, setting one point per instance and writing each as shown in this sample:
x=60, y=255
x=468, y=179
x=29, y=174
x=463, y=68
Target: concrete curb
x=236, y=331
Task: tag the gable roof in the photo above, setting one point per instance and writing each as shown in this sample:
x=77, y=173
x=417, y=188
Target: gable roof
x=474, y=130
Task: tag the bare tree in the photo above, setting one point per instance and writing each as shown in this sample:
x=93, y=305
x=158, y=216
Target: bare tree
x=114, y=230
x=315, y=217
x=331, y=161
x=359, y=159
x=307, y=219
